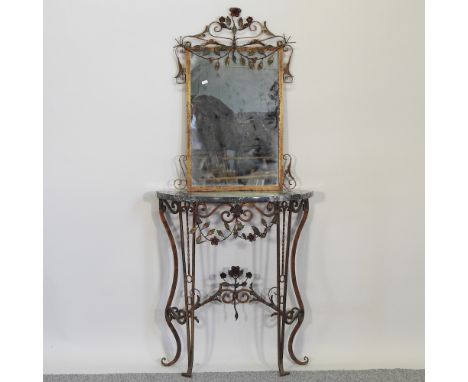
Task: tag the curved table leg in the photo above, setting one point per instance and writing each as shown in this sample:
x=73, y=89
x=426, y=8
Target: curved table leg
x=285, y=253
x=163, y=205
x=300, y=318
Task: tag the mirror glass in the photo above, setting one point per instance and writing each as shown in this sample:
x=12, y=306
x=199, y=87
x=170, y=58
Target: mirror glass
x=234, y=123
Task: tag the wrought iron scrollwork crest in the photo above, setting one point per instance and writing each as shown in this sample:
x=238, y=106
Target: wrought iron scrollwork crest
x=235, y=39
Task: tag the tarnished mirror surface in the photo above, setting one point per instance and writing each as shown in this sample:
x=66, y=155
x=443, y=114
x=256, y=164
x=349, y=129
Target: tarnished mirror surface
x=234, y=123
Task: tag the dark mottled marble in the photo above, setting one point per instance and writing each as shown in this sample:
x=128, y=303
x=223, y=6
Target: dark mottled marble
x=235, y=196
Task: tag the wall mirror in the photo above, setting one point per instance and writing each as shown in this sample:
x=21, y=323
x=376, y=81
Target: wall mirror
x=234, y=72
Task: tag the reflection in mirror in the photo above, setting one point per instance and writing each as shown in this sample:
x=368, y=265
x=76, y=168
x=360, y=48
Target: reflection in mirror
x=234, y=123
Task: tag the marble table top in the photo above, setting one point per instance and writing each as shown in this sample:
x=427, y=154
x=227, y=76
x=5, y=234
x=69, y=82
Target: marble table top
x=234, y=196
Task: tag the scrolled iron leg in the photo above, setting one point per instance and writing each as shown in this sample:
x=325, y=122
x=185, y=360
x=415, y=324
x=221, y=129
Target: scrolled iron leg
x=300, y=319
x=286, y=260
x=163, y=206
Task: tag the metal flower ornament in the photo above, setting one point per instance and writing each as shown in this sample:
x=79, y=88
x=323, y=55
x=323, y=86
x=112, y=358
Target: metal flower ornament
x=230, y=290
x=234, y=39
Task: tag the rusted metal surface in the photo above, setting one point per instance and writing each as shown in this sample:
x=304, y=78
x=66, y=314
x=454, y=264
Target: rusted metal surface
x=289, y=181
x=173, y=207
x=181, y=182
x=236, y=286
x=233, y=39
x=305, y=208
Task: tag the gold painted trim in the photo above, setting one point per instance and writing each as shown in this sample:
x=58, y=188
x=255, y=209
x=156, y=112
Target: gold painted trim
x=188, y=117
x=280, y=120
x=280, y=177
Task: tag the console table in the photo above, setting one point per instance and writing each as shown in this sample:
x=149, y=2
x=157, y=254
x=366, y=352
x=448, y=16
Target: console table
x=213, y=217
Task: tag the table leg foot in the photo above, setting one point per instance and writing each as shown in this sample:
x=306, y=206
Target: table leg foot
x=305, y=208
x=173, y=208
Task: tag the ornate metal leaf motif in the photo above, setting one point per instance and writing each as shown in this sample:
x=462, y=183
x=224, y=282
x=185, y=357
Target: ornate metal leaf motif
x=226, y=60
x=260, y=65
x=275, y=219
x=256, y=231
x=236, y=288
x=237, y=214
x=256, y=42
x=234, y=218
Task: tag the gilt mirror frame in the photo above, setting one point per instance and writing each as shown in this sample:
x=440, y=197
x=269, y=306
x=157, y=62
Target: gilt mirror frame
x=250, y=44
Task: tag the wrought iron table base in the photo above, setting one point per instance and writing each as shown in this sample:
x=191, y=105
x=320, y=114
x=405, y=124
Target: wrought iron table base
x=236, y=287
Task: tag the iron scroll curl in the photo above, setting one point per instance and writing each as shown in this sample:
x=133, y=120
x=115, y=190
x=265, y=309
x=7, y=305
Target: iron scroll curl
x=234, y=39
